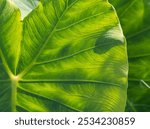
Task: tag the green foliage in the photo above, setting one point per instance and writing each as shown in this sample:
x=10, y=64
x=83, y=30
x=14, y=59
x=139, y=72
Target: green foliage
x=134, y=16
x=62, y=57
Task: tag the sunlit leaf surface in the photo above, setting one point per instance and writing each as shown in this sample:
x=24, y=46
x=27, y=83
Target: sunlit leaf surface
x=66, y=55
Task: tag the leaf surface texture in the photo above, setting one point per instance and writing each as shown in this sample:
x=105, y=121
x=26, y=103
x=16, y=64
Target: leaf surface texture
x=66, y=55
x=134, y=16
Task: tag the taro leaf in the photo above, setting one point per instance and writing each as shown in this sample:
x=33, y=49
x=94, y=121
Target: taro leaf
x=26, y=6
x=135, y=19
x=70, y=55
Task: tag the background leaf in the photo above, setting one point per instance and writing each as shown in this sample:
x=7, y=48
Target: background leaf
x=134, y=16
x=71, y=59
x=26, y=6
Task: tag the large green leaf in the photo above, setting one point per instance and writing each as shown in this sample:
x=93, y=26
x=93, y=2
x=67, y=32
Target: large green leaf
x=135, y=19
x=70, y=56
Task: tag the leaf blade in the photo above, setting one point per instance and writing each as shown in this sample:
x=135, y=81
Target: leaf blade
x=64, y=55
x=135, y=23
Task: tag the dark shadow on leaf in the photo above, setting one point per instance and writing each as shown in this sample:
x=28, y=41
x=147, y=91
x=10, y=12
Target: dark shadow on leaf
x=106, y=44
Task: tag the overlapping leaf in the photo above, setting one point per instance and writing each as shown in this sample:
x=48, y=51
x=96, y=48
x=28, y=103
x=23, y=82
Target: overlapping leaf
x=69, y=55
x=134, y=16
x=26, y=6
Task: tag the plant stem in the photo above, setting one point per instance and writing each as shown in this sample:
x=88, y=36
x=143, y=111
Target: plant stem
x=14, y=95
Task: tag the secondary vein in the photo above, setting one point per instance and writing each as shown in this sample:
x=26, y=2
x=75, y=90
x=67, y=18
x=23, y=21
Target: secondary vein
x=45, y=42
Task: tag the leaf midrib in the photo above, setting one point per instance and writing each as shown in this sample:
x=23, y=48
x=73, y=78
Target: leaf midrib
x=45, y=42
x=13, y=82
x=71, y=81
x=8, y=71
